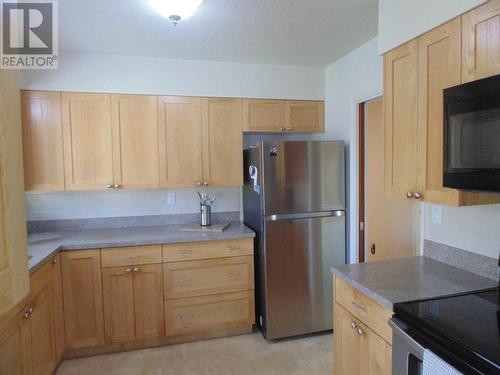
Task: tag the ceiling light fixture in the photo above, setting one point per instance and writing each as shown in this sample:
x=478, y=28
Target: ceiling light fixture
x=175, y=10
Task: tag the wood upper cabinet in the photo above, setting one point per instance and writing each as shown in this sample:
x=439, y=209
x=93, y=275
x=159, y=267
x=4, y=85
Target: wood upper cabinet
x=42, y=141
x=264, y=115
x=135, y=141
x=118, y=297
x=481, y=42
x=14, y=276
x=439, y=53
x=133, y=302
x=400, y=109
x=88, y=149
x=180, y=134
x=305, y=116
x=82, y=297
x=222, y=142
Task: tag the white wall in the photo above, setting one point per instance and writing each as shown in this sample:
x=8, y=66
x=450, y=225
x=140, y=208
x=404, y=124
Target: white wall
x=401, y=21
x=474, y=228
x=144, y=75
x=354, y=78
x=122, y=74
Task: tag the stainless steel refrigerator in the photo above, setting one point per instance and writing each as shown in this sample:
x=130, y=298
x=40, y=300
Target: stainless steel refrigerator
x=294, y=199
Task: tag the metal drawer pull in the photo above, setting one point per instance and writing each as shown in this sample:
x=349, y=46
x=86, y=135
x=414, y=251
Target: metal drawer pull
x=185, y=280
x=128, y=270
x=182, y=251
x=357, y=305
x=234, y=248
x=187, y=319
x=361, y=331
x=354, y=325
x=234, y=275
x=136, y=269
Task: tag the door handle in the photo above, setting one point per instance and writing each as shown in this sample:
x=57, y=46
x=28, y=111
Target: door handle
x=373, y=249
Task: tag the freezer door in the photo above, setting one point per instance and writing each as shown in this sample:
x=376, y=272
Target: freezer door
x=298, y=257
x=303, y=176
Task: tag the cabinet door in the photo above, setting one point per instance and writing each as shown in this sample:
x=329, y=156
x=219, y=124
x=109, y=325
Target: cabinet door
x=222, y=142
x=88, y=154
x=348, y=347
x=57, y=302
x=82, y=297
x=179, y=120
x=15, y=345
x=481, y=42
x=135, y=141
x=400, y=109
x=149, y=303
x=260, y=115
x=42, y=141
x=42, y=331
x=305, y=116
x=376, y=353
x=118, y=297
x=439, y=67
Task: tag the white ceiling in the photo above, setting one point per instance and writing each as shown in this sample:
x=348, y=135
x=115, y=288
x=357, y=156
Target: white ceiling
x=283, y=32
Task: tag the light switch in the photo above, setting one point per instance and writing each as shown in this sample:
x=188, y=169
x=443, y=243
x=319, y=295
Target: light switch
x=170, y=198
x=436, y=214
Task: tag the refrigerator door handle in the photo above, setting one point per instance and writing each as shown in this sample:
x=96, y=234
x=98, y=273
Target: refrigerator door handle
x=306, y=215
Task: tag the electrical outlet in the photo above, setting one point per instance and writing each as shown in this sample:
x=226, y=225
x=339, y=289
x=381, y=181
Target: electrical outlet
x=436, y=214
x=170, y=198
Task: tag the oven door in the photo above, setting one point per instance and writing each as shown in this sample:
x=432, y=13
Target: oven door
x=407, y=354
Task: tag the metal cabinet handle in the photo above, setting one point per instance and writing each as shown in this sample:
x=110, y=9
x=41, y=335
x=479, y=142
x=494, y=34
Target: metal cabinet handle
x=417, y=195
x=354, y=325
x=288, y=129
x=409, y=194
x=234, y=248
x=361, y=331
x=183, y=251
x=109, y=186
x=357, y=305
x=128, y=270
x=198, y=183
x=205, y=183
x=27, y=314
x=117, y=186
x=185, y=280
x=136, y=269
x=233, y=275
x=54, y=261
x=283, y=129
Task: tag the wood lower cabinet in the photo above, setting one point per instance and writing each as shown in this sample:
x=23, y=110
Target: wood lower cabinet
x=206, y=313
x=481, y=42
x=362, y=336
x=133, y=302
x=15, y=348
x=82, y=298
x=57, y=302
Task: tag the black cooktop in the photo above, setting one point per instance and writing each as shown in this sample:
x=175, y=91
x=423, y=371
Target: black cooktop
x=465, y=326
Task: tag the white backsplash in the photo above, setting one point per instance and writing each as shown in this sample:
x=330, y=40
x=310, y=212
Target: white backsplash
x=90, y=204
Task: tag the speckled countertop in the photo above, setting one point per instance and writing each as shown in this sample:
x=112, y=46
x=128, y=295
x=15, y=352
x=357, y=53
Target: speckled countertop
x=409, y=279
x=42, y=246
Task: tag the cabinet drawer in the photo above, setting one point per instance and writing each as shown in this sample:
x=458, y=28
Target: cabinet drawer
x=42, y=276
x=207, y=250
x=365, y=309
x=197, y=314
x=133, y=255
x=205, y=277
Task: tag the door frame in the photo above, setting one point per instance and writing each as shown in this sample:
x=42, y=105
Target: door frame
x=361, y=181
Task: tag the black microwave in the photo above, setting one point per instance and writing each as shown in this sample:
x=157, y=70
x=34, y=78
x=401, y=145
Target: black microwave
x=472, y=135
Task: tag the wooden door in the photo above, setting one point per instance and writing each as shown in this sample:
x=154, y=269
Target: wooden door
x=389, y=222
x=14, y=276
x=88, y=152
x=180, y=132
x=118, y=297
x=264, y=115
x=305, y=116
x=15, y=344
x=222, y=142
x=400, y=109
x=348, y=347
x=57, y=303
x=42, y=332
x=82, y=297
x=42, y=141
x=439, y=67
x=148, y=301
x=135, y=141
x=481, y=42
